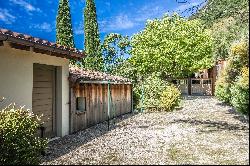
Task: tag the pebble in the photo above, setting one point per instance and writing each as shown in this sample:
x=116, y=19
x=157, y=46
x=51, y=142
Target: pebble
x=204, y=131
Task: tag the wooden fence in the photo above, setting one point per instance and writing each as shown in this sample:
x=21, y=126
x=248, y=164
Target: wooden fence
x=89, y=103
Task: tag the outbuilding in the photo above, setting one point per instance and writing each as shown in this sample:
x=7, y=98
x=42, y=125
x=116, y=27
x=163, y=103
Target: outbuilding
x=97, y=97
x=34, y=72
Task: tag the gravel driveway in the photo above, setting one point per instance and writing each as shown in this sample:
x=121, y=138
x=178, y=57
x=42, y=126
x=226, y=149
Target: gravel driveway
x=205, y=131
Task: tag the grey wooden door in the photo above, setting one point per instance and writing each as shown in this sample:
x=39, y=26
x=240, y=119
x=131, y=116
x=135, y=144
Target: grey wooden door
x=43, y=97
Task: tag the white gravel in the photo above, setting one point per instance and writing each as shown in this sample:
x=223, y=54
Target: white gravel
x=205, y=131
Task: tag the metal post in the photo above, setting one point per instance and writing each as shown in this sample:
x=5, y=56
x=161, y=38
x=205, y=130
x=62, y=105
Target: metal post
x=42, y=128
x=108, y=103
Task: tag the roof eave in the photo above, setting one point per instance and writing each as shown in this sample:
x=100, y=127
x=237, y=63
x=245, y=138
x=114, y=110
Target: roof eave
x=66, y=53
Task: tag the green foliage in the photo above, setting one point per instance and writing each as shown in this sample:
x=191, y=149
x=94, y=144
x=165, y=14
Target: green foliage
x=240, y=91
x=228, y=21
x=222, y=90
x=238, y=58
x=64, y=33
x=155, y=94
x=173, y=46
x=215, y=10
x=18, y=143
x=170, y=98
x=114, y=48
x=224, y=32
x=94, y=60
x=228, y=88
x=152, y=87
x=127, y=70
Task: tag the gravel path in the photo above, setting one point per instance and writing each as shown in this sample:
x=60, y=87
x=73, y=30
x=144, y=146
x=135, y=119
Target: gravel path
x=204, y=132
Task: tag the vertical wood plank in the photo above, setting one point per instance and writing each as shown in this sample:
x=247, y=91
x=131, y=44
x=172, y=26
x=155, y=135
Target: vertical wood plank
x=91, y=119
x=129, y=98
x=85, y=114
x=105, y=106
x=122, y=99
x=119, y=97
x=101, y=103
x=97, y=103
x=87, y=104
x=125, y=99
x=96, y=111
x=93, y=104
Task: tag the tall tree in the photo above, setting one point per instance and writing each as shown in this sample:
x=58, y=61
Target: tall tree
x=114, y=48
x=64, y=32
x=172, y=46
x=92, y=42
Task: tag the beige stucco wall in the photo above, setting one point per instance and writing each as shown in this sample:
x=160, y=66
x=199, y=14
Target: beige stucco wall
x=16, y=80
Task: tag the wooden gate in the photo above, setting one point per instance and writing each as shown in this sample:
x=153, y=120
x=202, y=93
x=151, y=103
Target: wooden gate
x=182, y=85
x=201, y=86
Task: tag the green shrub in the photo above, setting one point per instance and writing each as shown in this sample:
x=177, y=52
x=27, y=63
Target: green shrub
x=238, y=58
x=18, y=143
x=149, y=92
x=222, y=89
x=240, y=91
x=170, y=98
x=157, y=94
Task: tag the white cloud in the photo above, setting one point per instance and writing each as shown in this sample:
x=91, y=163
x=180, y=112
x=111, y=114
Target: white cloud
x=27, y=6
x=119, y=22
x=42, y=27
x=6, y=17
x=122, y=22
x=187, y=5
x=149, y=12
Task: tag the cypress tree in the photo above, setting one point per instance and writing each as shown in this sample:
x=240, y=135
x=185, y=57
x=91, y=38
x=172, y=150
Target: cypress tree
x=64, y=32
x=92, y=41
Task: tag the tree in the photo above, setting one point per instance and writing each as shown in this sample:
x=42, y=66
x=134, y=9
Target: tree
x=64, y=33
x=94, y=58
x=215, y=10
x=172, y=46
x=228, y=20
x=224, y=32
x=114, y=48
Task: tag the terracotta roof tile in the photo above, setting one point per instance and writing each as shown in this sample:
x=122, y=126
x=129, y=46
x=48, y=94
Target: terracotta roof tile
x=77, y=74
x=71, y=51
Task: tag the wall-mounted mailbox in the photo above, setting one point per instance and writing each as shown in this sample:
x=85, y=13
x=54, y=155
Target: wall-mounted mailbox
x=81, y=104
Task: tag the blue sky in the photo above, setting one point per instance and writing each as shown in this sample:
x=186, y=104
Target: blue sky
x=127, y=17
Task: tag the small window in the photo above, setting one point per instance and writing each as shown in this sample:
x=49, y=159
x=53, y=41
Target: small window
x=196, y=81
x=207, y=82
x=81, y=104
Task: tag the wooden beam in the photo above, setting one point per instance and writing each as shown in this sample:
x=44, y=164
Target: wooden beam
x=101, y=82
x=42, y=51
x=19, y=46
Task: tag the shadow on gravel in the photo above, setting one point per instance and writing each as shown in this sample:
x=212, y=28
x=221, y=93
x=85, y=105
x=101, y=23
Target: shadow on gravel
x=234, y=113
x=238, y=116
x=69, y=143
x=212, y=125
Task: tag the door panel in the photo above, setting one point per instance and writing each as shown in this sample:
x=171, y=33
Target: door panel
x=43, y=97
